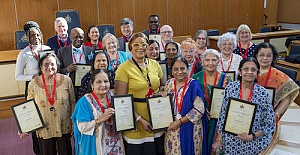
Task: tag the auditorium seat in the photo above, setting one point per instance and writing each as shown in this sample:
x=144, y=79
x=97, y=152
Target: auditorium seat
x=21, y=39
x=212, y=32
x=232, y=30
x=264, y=29
x=71, y=16
x=290, y=72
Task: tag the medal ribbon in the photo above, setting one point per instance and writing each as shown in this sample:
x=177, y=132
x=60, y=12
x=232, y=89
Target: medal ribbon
x=205, y=86
x=99, y=103
x=35, y=55
x=58, y=42
x=228, y=65
x=51, y=100
x=163, y=46
x=193, y=68
x=157, y=30
x=241, y=92
x=197, y=55
x=147, y=76
x=112, y=64
x=74, y=57
x=247, y=49
x=179, y=105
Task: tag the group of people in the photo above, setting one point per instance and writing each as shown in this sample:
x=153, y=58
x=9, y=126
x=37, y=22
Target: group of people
x=193, y=70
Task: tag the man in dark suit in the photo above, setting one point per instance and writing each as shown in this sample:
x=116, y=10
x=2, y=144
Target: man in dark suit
x=126, y=26
x=75, y=53
x=154, y=24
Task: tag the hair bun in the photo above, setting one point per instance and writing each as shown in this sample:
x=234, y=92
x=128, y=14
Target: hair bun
x=30, y=24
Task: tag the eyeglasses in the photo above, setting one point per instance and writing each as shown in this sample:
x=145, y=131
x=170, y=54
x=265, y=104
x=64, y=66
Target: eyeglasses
x=164, y=32
x=247, y=69
x=126, y=27
x=201, y=38
x=263, y=56
x=175, y=69
x=171, y=49
x=137, y=45
x=188, y=51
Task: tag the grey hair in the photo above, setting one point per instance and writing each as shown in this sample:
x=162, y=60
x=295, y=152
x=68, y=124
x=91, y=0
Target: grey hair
x=60, y=19
x=227, y=36
x=243, y=27
x=202, y=32
x=210, y=51
x=126, y=21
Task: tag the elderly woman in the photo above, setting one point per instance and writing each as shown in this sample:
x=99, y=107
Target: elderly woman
x=171, y=54
x=202, y=43
x=99, y=62
x=208, y=78
x=189, y=50
x=263, y=123
x=286, y=89
x=141, y=77
x=245, y=48
x=54, y=96
x=228, y=60
x=153, y=50
x=187, y=134
x=126, y=26
x=115, y=57
x=93, y=130
x=93, y=38
x=28, y=60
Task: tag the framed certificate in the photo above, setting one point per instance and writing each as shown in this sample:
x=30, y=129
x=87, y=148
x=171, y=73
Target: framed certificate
x=28, y=116
x=156, y=37
x=231, y=74
x=43, y=52
x=164, y=71
x=81, y=70
x=217, y=96
x=239, y=116
x=160, y=112
x=162, y=56
x=124, y=118
x=271, y=91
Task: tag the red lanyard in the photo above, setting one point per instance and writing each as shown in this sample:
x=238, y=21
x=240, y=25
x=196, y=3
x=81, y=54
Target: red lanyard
x=179, y=105
x=58, y=41
x=98, y=102
x=241, y=92
x=51, y=100
x=36, y=56
x=125, y=38
x=197, y=55
x=163, y=46
x=156, y=32
x=247, y=49
x=228, y=65
x=193, y=68
x=112, y=64
x=74, y=57
x=267, y=79
x=205, y=86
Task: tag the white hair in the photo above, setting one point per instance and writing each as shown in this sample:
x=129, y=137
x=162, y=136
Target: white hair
x=210, y=51
x=227, y=36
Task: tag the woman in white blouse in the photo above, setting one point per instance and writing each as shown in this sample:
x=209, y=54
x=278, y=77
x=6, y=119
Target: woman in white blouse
x=228, y=60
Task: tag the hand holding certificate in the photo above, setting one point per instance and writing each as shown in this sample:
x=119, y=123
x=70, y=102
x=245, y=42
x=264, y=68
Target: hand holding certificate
x=239, y=116
x=81, y=70
x=28, y=116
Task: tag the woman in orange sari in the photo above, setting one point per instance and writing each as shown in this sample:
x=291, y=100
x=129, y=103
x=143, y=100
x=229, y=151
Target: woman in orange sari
x=286, y=89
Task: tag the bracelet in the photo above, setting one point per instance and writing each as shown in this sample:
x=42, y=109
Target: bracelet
x=138, y=118
x=180, y=121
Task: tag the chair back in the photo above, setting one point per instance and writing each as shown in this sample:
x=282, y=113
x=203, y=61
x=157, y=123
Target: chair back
x=71, y=16
x=232, y=30
x=264, y=29
x=289, y=72
x=21, y=40
x=212, y=32
x=295, y=49
x=106, y=28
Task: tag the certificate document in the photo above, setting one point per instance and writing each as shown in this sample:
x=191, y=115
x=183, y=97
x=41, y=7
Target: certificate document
x=28, y=116
x=43, y=52
x=164, y=71
x=271, y=91
x=81, y=70
x=162, y=56
x=239, y=117
x=160, y=112
x=231, y=74
x=216, y=102
x=124, y=118
x=156, y=37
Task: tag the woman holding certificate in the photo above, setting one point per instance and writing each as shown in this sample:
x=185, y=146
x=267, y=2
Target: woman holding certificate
x=228, y=60
x=54, y=96
x=93, y=127
x=286, y=89
x=100, y=61
x=187, y=134
x=209, y=78
x=115, y=57
x=141, y=77
x=252, y=105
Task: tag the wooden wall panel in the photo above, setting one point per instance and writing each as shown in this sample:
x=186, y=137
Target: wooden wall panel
x=144, y=8
x=113, y=11
x=257, y=16
x=288, y=11
x=182, y=16
x=87, y=11
x=42, y=12
x=211, y=14
x=272, y=11
x=8, y=25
